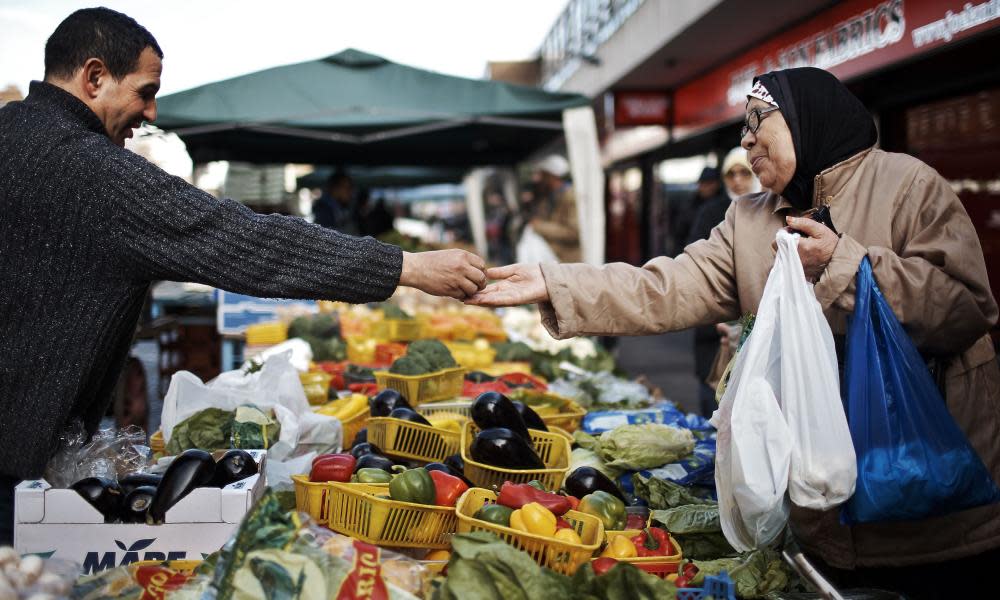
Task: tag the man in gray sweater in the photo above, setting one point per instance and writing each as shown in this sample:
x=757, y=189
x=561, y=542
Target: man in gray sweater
x=86, y=226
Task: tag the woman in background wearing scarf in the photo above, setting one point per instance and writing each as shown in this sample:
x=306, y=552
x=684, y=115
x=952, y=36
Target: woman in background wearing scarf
x=812, y=143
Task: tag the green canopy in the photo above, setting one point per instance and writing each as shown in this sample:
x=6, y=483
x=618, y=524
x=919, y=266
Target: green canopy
x=360, y=109
x=386, y=177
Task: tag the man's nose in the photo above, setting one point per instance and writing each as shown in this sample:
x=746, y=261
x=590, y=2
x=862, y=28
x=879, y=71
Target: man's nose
x=149, y=112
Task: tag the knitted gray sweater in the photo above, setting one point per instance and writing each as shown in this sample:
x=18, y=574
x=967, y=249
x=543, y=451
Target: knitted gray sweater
x=85, y=226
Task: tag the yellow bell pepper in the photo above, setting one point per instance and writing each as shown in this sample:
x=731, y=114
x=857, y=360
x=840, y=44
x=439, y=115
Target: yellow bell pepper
x=438, y=555
x=534, y=518
x=568, y=535
x=620, y=547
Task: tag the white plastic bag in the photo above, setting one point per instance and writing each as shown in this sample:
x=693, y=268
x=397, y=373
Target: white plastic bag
x=532, y=248
x=781, y=421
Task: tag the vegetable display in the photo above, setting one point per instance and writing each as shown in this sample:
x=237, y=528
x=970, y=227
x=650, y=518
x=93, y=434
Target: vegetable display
x=192, y=469
x=332, y=467
x=609, y=509
x=501, y=447
x=516, y=495
x=415, y=486
x=494, y=410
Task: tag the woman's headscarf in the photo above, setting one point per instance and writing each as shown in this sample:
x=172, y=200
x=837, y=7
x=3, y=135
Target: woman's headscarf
x=828, y=124
x=738, y=156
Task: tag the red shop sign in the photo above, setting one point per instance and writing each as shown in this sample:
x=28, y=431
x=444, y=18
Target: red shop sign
x=641, y=108
x=849, y=39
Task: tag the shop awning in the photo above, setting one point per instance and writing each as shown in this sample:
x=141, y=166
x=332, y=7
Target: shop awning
x=386, y=177
x=361, y=109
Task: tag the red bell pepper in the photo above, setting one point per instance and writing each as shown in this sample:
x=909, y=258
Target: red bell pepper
x=653, y=541
x=573, y=501
x=603, y=565
x=516, y=495
x=562, y=523
x=520, y=379
x=689, y=570
x=448, y=488
x=635, y=521
x=332, y=467
x=368, y=389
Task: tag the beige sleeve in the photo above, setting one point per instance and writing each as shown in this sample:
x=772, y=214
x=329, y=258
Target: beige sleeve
x=937, y=285
x=696, y=288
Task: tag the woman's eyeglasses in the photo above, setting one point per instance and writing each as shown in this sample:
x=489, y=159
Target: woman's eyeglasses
x=753, y=120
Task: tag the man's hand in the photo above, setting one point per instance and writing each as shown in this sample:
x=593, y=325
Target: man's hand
x=454, y=273
x=517, y=284
x=816, y=250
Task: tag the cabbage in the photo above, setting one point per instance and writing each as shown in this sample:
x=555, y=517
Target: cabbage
x=635, y=447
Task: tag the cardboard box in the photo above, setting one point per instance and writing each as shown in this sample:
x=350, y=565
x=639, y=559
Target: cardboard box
x=59, y=523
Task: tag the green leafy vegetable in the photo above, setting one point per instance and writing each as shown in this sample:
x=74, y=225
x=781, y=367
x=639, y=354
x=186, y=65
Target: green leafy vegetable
x=692, y=518
x=635, y=447
x=208, y=429
x=252, y=428
x=391, y=311
x=755, y=574
x=483, y=567
x=704, y=546
x=513, y=352
x=581, y=457
x=410, y=365
x=661, y=494
x=622, y=582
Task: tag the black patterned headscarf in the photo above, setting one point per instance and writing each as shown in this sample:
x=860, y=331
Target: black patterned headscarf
x=828, y=124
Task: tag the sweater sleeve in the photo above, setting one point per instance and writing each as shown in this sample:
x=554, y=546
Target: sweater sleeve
x=167, y=229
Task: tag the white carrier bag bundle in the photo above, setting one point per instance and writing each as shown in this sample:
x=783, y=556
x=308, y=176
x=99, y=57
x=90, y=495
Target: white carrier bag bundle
x=781, y=421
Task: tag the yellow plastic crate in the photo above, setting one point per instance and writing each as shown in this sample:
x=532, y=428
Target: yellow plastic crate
x=356, y=511
x=361, y=350
x=661, y=566
x=310, y=498
x=560, y=556
x=464, y=408
x=440, y=385
x=412, y=441
x=570, y=413
x=552, y=448
x=266, y=334
x=352, y=425
x=469, y=356
x=316, y=385
x=398, y=330
x=503, y=368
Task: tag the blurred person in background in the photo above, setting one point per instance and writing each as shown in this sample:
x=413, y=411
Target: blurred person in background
x=335, y=207
x=375, y=217
x=684, y=211
x=87, y=226
x=553, y=211
x=498, y=220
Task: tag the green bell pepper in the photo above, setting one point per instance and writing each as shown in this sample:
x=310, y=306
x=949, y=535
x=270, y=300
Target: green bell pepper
x=371, y=475
x=414, y=486
x=605, y=507
x=537, y=485
x=494, y=513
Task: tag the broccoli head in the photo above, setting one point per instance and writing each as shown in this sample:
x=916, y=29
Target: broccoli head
x=434, y=352
x=325, y=326
x=410, y=365
x=513, y=351
x=299, y=327
x=391, y=311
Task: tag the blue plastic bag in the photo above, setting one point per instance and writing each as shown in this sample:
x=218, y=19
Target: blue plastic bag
x=913, y=460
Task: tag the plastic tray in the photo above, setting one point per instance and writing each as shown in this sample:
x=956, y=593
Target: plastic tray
x=441, y=385
x=412, y=441
x=563, y=557
x=360, y=350
x=552, y=448
x=355, y=511
x=352, y=425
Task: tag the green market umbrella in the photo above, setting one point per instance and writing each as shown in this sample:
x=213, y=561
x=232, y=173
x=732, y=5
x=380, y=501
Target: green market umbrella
x=360, y=109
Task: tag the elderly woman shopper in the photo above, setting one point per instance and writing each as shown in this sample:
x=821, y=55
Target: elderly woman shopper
x=811, y=143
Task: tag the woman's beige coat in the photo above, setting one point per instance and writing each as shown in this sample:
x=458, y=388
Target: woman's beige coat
x=929, y=265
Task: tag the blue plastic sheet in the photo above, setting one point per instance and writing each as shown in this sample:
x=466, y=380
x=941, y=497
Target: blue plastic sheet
x=913, y=460
x=597, y=422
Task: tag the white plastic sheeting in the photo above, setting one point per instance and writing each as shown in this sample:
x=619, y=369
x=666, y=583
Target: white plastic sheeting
x=588, y=180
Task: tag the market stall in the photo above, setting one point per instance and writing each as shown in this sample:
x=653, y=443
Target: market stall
x=360, y=109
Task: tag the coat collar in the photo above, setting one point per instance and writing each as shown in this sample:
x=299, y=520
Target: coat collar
x=830, y=182
x=42, y=93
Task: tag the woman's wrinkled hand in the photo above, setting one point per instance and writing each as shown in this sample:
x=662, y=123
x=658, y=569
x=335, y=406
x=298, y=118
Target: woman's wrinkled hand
x=515, y=285
x=816, y=250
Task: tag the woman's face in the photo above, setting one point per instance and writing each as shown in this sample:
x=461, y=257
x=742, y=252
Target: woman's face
x=770, y=150
x=739, y=180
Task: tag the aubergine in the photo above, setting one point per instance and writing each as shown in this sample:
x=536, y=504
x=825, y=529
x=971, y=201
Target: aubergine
x=130, y=482
x=191, y=469
x=455, y=463
x=446, y=469
x=373, y=461
x=361, y=437
x=587, y=480
x=408, y=414
x=493, y=409
x=530, y=417
x=501, y=447
x=360, y=450
x=136, y=505
x=233, y=466
x=103, y=494
x=384, y=402
x=479, y=377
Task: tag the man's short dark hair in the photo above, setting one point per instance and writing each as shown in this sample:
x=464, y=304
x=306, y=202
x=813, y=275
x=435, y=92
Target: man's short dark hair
x=102, y=33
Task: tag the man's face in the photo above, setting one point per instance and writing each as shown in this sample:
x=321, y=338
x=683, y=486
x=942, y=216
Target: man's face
x=124, y=105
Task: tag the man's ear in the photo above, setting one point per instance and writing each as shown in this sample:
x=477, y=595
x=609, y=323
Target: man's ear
x=93, y=76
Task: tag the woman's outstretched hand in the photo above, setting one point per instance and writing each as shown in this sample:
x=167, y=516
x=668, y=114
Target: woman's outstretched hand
x=514, y=285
